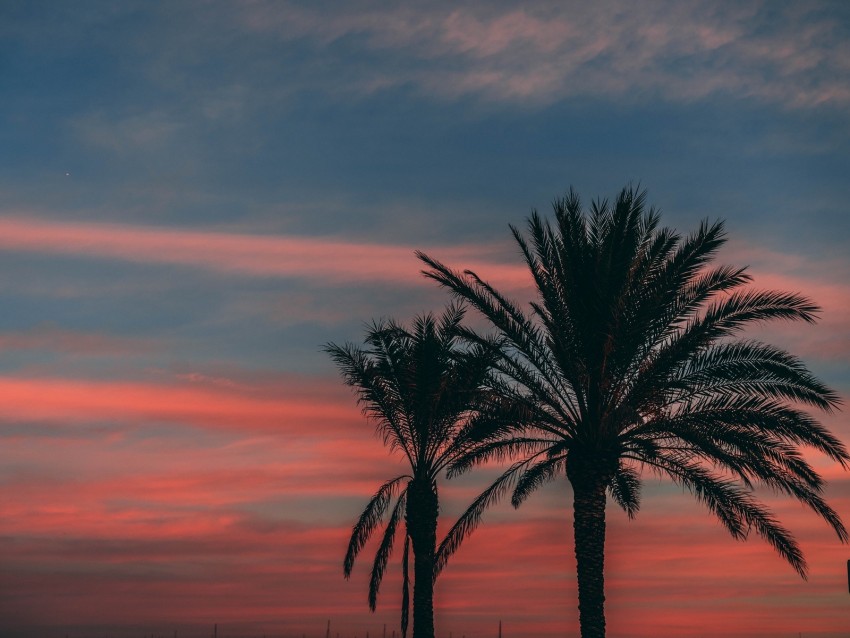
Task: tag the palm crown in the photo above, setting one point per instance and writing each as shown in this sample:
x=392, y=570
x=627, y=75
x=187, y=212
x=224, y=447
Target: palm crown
x=631, y=359
x=419, y=387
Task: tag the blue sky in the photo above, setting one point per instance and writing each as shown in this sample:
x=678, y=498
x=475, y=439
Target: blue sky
x=195, y=196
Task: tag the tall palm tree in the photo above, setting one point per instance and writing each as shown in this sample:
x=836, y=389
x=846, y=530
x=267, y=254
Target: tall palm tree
x=419, y=386
x=629, y=360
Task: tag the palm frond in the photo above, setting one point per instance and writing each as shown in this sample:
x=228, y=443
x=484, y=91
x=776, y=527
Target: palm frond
x=752, y=368
x=625, y=488
x=535, y=476
x=735, y=507
x=757, y=415
x=385, y=549
x=380, y=400
x=471, y=518
x=369, y=519
x=498, y=450
x=517, y=329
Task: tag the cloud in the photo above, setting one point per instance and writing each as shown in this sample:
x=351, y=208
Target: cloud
x=141, y=132
x=225, y=567
x=544, y=52
x=74, y=401
x=54, y=339
x=331, y=261
x=326, y=260
x=253, y=526
x=334, y=261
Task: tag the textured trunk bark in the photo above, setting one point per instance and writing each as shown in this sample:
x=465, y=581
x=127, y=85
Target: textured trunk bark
x=589, y=529
x=422, y=513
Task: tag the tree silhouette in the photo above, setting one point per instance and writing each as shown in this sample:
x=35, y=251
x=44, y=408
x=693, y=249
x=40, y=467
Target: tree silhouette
x=628, y=361
x=419, y=387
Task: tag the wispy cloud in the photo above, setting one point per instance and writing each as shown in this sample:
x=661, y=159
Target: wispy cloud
x=147, y=131
x=58, y=340
x=316, y=259
x=71, y=401
x=334, y=261
x=795, y=56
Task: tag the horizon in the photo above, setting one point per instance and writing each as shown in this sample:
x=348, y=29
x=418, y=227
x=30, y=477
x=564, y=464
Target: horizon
x=197, y=196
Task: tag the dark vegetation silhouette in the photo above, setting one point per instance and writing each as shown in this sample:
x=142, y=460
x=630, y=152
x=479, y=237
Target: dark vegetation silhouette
x=419, y=387
x=630, y=360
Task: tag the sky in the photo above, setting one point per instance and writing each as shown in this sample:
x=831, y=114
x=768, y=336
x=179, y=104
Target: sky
x=195, y=196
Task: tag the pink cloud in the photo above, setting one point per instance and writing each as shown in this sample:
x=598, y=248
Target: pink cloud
x=74, y=401
x=336, y=261
x=316, y=259
x=108, y=527
x=204, y=532
x=521, y=572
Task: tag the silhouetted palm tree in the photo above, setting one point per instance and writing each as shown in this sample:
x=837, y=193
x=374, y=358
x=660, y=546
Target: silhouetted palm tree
x=420, y=388
x=628, y=361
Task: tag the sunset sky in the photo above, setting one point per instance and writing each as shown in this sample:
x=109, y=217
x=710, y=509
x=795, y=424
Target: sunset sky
x=195, y=196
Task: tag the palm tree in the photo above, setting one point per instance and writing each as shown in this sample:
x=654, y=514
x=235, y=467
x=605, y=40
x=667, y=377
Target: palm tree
x=629, y=360
x=419, y=387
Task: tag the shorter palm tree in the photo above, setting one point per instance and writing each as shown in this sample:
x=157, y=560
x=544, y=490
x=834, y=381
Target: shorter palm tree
x=420, y=387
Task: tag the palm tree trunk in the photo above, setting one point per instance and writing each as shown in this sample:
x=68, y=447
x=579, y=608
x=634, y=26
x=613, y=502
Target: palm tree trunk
x=589, y=530
x=422, y=512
